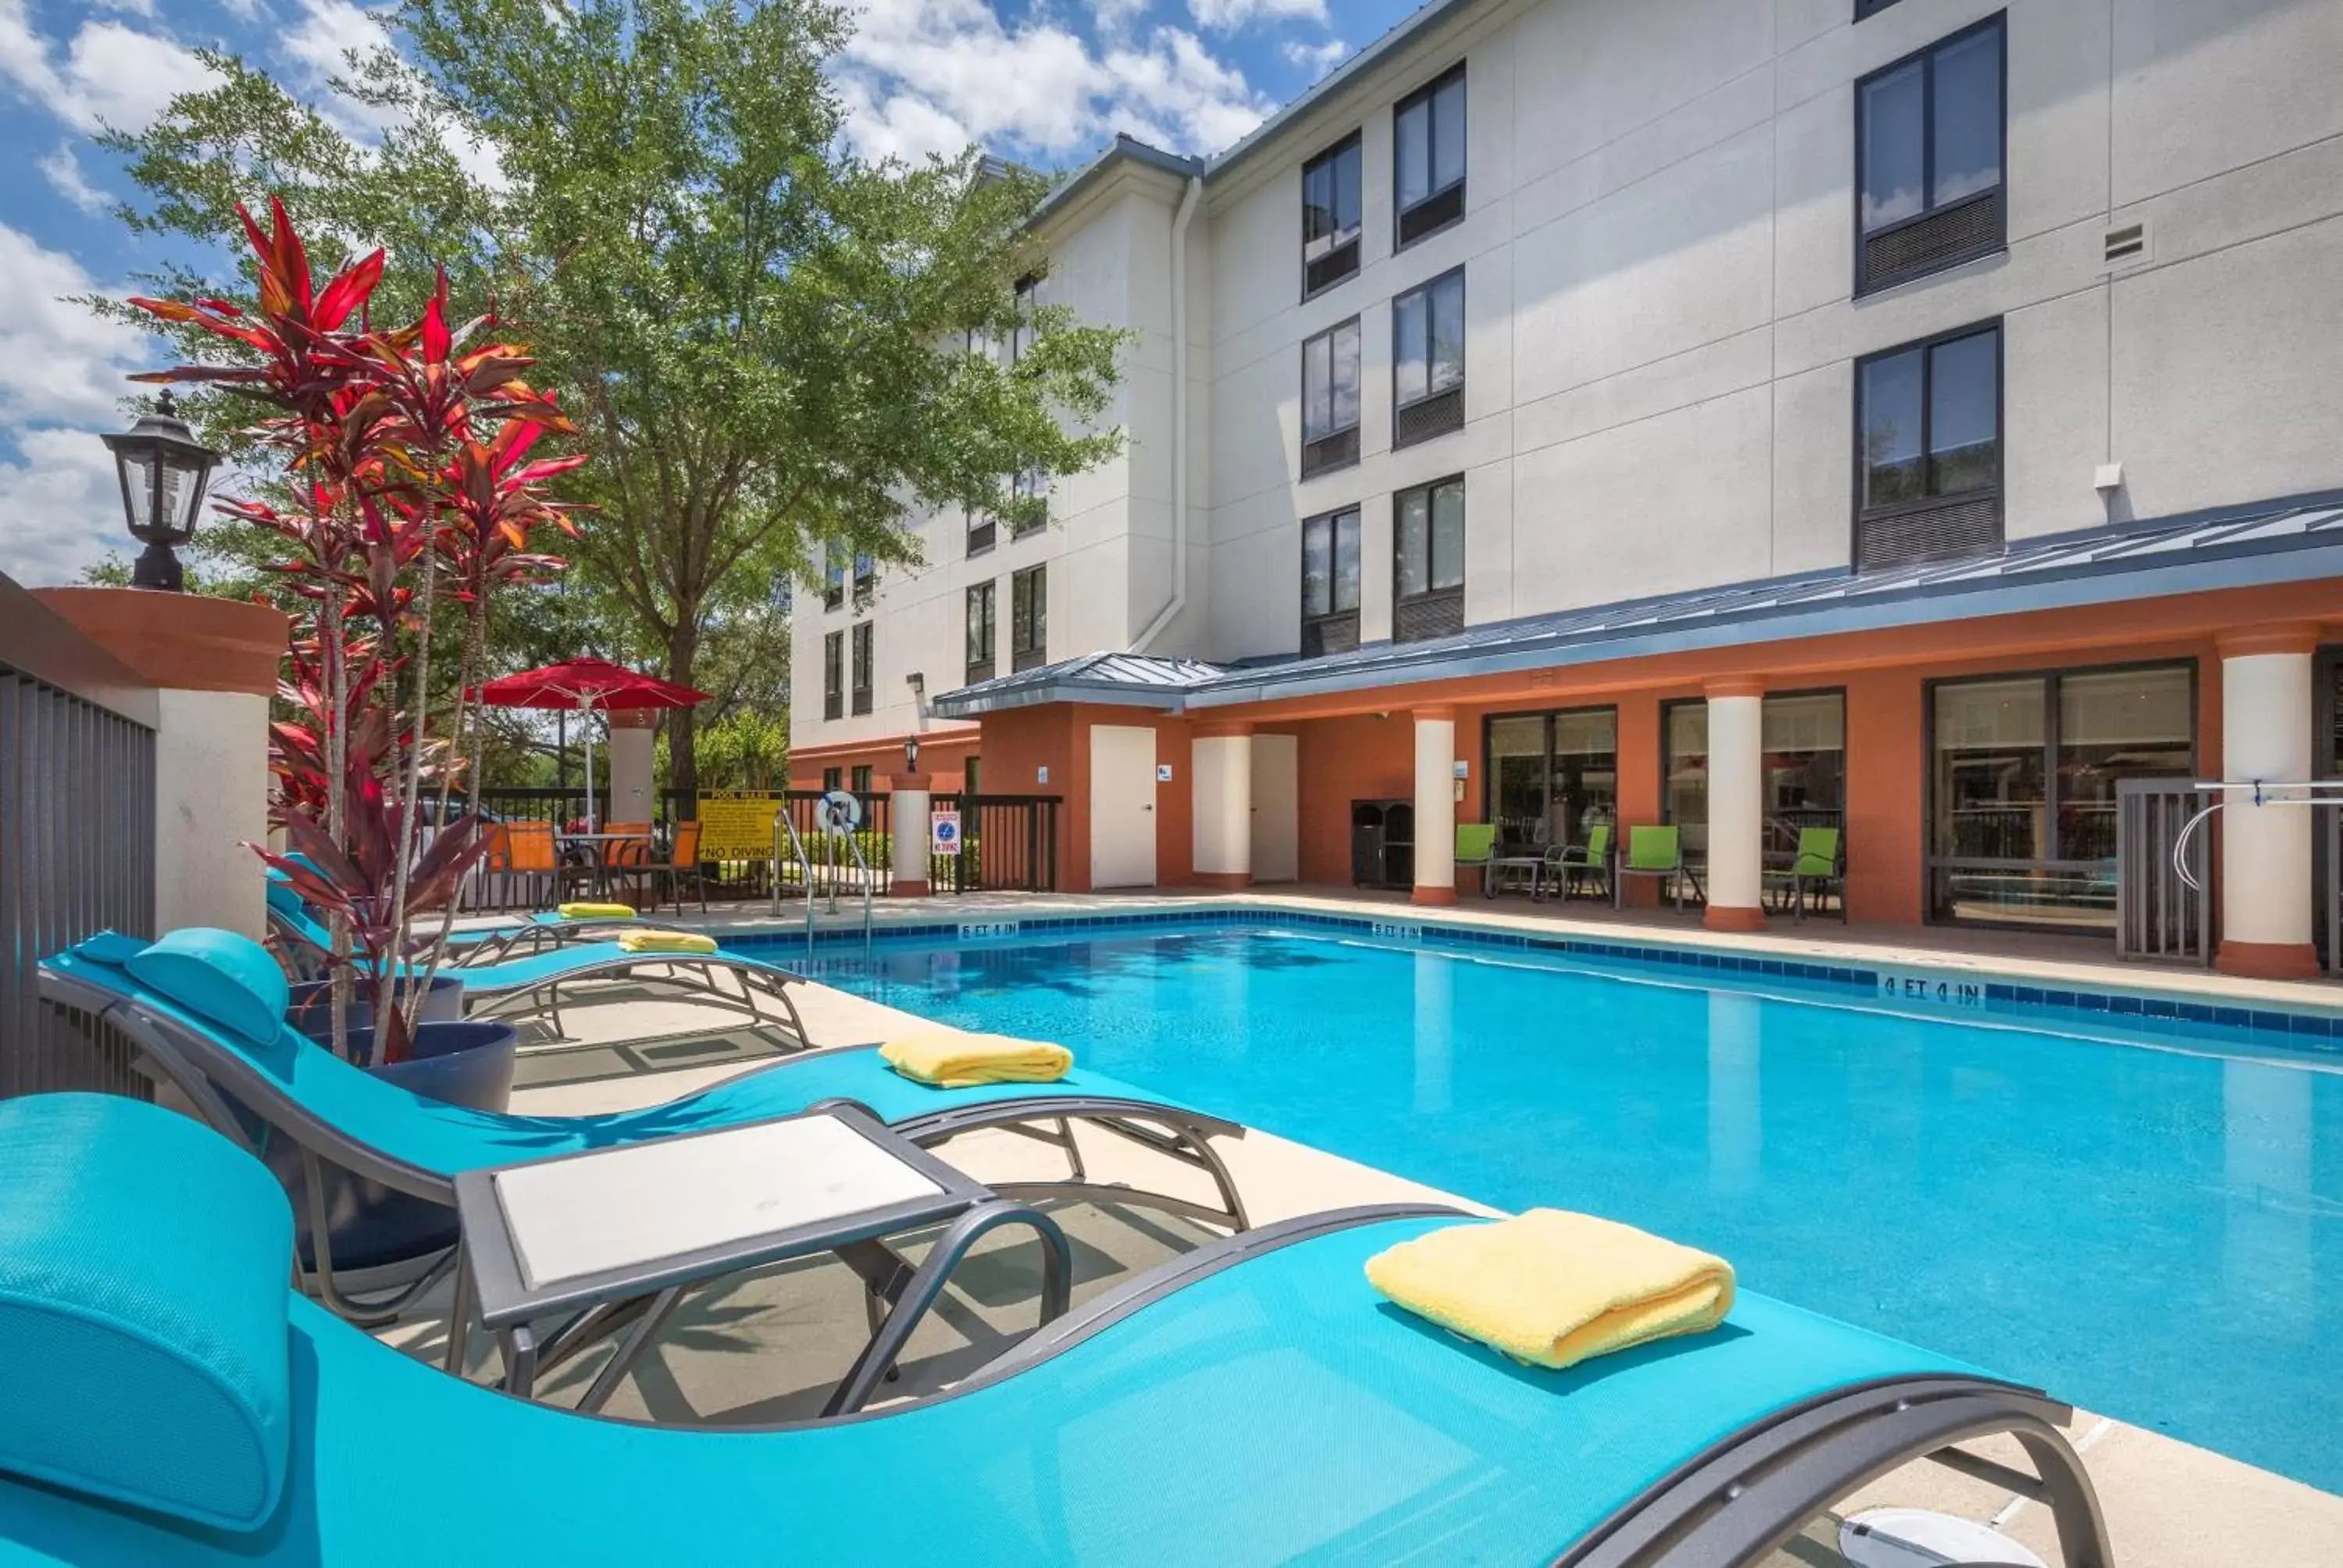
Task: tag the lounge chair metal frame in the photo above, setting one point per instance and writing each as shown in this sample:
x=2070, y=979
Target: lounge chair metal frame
x=688, y=977
x=211, y=1078
x=1729, y=1506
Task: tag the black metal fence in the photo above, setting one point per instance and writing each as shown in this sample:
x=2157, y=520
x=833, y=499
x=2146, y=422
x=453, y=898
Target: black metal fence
x=77, y=836
x=1009, y=843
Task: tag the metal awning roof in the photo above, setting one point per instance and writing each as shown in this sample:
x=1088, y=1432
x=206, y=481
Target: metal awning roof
x=1137, y=680
x=2295, y=540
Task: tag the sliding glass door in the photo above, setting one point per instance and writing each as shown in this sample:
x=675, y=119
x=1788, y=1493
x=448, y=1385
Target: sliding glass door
x=2022, y=788
x=1550, y=776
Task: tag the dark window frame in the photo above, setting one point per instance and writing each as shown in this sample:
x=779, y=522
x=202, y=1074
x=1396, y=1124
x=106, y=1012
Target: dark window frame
x=1422, y=603
x=1353, y=145
x=1028, y=633
x=1548, y=715
x=832, y=778
x=1332, y=451
x=1870, y=7
x=865, y=660
x=1315, y=626
x=833, y=674
x=1401, y=239
x=1931, y=862
x=989, y=665
x=1026, y=294
x=859, y=778
x=1998, y=195
x=1439, y=413
x=980, y=530
x=833, y=575
x=866, y=575
x=1998, y=490
x=1030, y=484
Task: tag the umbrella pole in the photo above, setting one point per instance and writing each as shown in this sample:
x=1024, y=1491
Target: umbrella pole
x=587, y=724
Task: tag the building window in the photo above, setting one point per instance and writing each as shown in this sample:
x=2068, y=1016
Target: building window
x=1928, y=137
x=1428, y=156
x=1029, y=496
x=1329, y=583
x=1928, y=452
x=832, y=778
x=833, y=578
x=862, y=778
x=866, y=575
x=862, y=661
x=2022, y=788
x=1805, y=740
x=1428, y=360
x=833, y=676
x=1868, y=7
x=1330, y=399
x=968, y=784
x=1330, y=217
x=979, y=530
x=1550, y=776
x=1021, y=335
x=980, y=665
x=1428, y=561
x=1028, y=619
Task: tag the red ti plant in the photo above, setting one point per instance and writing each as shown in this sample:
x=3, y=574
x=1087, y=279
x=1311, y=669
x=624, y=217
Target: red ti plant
x=402, y=457
x=353, y=880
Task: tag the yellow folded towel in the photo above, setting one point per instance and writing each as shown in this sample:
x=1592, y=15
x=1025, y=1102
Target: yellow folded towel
x=1553, y=1288
x=667, y=942
x=594, y=912
x=966, y=1060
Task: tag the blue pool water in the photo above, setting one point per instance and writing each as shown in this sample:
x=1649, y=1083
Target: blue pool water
x=2153, y=1234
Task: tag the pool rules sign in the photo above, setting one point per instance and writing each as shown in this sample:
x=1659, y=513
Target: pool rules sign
x=943, y=830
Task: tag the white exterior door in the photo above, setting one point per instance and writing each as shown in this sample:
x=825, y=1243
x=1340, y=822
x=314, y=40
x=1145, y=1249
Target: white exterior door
x=1122, y=806
x=1276, y=849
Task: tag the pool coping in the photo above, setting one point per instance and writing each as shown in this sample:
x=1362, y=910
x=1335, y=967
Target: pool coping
x=1952, y=986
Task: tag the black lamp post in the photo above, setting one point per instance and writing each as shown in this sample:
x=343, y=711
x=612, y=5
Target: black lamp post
x=910, y=754
x=164, y=470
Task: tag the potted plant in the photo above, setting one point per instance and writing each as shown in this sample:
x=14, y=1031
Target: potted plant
x=403, y=476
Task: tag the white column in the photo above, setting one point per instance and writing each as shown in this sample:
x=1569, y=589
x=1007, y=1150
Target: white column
x=631, y=733
x=907, y=820
x=1222, y=780
x=1736, y=805
x=1435, y=805
x=2265, y=849
x=211, y=799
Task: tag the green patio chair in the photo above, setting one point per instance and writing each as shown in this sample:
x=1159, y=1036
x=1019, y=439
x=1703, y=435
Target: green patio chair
x=1656, y=852
x=1476, y=845
x=1817, y=867
x=213, y=1419
x=1569, y=864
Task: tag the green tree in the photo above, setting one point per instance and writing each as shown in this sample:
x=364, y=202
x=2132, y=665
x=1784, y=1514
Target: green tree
x=764, y=339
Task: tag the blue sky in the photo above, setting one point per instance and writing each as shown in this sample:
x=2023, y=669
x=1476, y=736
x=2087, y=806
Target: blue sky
x=1045, y=83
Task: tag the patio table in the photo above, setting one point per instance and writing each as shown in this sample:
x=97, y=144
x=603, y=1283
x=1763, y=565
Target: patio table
x=609, y=1237
x=598, y=846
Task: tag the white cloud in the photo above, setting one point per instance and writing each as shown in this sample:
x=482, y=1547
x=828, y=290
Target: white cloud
x=1114, y=17
x=931, y=76
x=242, y=10
x=62, y=505
x=109, y=74
x=62, y=171
x=1229, y=16
x=62, y=376
x=135, y=7
x=1315, y=59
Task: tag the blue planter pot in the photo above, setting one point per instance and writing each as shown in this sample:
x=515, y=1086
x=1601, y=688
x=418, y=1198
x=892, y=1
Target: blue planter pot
x=465, y=1063
x=312, y=1010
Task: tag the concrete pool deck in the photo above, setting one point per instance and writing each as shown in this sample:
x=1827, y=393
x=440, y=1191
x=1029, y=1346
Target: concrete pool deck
x=763, y=1348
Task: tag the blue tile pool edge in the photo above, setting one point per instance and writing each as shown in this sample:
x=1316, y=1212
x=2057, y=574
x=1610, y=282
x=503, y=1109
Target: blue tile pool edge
x=2150, y=1011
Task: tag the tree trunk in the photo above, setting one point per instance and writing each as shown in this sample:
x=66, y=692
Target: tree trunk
x=682, y=723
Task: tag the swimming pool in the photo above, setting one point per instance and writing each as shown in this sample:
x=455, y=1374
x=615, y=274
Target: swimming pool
x=2147, y=1229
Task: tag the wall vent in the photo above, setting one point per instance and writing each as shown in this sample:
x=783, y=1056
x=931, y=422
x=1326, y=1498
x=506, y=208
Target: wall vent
x=2125, y=245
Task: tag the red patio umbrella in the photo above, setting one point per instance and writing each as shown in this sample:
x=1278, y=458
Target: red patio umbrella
x=586, y=684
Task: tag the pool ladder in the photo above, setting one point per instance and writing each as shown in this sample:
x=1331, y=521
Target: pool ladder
x=804, y=860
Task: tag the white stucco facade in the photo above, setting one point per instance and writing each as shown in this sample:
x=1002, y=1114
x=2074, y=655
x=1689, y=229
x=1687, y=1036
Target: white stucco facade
x=1663, y=324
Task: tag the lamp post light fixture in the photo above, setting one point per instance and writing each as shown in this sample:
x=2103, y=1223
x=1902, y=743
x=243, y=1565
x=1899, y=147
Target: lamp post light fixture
x=910, y=754
x=164, y=470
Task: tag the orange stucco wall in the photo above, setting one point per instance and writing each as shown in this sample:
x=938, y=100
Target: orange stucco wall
x=944, y=758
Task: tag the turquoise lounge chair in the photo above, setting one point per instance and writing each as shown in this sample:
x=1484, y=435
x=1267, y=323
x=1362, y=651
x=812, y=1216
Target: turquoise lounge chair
x=529, y=932
x=1255, y=1402
x=262, y=1083
x=532, y=982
